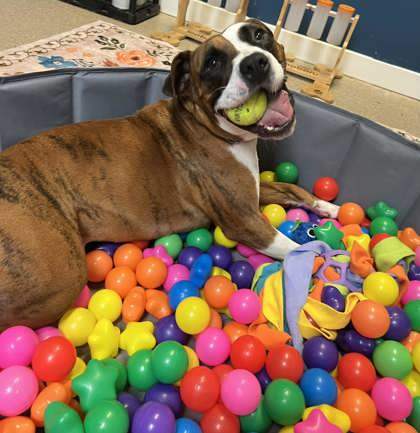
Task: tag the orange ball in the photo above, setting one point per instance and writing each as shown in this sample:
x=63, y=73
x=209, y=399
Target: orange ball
x=98, y=265
x=215, y=319
x=151, y=272
x=217, y=291
x=359, y=407
x=121, y=279
x=374, y=429
x=350, y=213
x=235, y=330
x=400, y=427
x=370, y=319
x=128, y=255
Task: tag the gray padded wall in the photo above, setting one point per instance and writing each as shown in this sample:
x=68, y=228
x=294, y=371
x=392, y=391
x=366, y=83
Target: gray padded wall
x=369, y=161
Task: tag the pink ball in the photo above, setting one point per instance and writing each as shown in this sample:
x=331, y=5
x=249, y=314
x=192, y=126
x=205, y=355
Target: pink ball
x=297, y=215
x=176, y=273
x=47, y=332
x=392, y=399
x=245, y=251
x=412, y=293
x=18, y=390
x=325, y=220
x=213, y=346
x=17, y=346
x=257, y=260
x=244, y=306
x=84, y=298
x=241, y=392
x=417, y=259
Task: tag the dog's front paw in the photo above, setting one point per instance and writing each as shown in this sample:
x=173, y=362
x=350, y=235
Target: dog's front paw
x=326, y=209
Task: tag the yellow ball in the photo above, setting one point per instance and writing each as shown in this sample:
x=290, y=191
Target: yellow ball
x=192, y=315
x=267, y=176
x=78, y=369
x=381, y=287
x=250, y=112
x=106, y=304
x=221, y=239
x=287, y=429
x=275, y=214
x=412, y=382
x=416, y=356
x=77, y=324
x=192, y=358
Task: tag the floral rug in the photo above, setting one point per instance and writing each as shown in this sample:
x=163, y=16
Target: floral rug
x=96, y=45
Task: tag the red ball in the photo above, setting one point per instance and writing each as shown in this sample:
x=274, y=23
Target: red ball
x=219, y=420
x=326, y=188
x=222, y=370
x=376, y=239
x=200, y=389
x=284, y=362
x=248, y=353
x=54, y=359
x=356, y=371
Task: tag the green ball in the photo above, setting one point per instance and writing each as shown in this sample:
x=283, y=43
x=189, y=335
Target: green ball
x=392, y=359
x=414, y=418
x=172, y=243
x=412, y=309
x=107, y=417
x=256, y=422
x=284, y=402
x=200, y=238
x=383, y=224
x=61, y=418
x=287, y=172
x=140, y=372
x=122, y=373
x=250, y=112
x=169, y=362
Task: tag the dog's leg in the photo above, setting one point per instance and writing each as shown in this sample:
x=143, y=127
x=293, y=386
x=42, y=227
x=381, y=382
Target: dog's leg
x=287, y=194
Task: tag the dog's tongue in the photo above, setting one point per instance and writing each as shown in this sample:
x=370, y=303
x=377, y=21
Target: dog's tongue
x=279, y=111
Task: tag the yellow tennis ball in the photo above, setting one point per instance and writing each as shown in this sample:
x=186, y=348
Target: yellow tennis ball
x=267, y=176
x=250, y=112
x=381, y=287
x=275, y=214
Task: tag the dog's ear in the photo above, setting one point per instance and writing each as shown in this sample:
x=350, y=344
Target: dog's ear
x=178, y=80
x=280, y=54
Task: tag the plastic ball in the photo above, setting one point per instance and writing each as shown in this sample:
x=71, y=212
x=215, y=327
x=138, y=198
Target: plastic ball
x=98, y=264
x=17, y=424
x=392, y=359
x=54, y=359
x=350, y=213
x=77, y=324
x=219, y=420
x=256, y=422
x=222, y=256
x=400, y=427
x=284, y=402
x=413, y=272
x=275, y=214
x=130, y=402
x=169, y=362
x=172, y=243
x=151, y=272
x=107, y=247
x=392, y=399
x=263, y=378
x=416, y=356
x=350, y=340
x=18, y=390
x=322, y=221
x=17, y=346
x=267, y=176
x=356, y=371
x=222, y=240
x=383, y=224
x=250, y=112
x=287, y=228
x=200, y=238
x=153, y=417
x=358, y=406
x=244, y=306
x=284, y=362
x=374, y=429
x=412, y=293
x=166, y=394
x=193, y=315
x=217, y=291
x=318, y=387
x=240, y=392
x=248, y=353
x=47, y=332
x=106, y=304
x=242, y=273
x=381, y=287
x=412, y=309
x=188, y=256
x=140, y=372
x=222, y=370
x=127, y=255
x=166, y=329
x=400, y=325
x=235, y=330
x=318, y=352
x=297, y=215
x=326, y=188
x=200, y=389
x=180, y=291
x=332, y=297
x=176, y=273
x=84, y=297
x=186, y=425
x=287, y=172
x=107, y=417
x=414, y=418
x=213, y=346
x=370, y=319
x=201, y=270
x=121, y=280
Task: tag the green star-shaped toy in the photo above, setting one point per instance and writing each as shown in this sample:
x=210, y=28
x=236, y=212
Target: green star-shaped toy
x=381, y=209
x=330, y=234
x=96, y=383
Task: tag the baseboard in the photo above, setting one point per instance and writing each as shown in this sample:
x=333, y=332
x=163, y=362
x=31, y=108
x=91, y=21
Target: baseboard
x=354, y=64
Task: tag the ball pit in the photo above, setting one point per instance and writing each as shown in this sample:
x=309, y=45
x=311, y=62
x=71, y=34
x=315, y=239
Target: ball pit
x=196, y=326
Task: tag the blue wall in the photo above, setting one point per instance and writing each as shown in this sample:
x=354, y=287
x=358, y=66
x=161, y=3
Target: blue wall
x=388, y=30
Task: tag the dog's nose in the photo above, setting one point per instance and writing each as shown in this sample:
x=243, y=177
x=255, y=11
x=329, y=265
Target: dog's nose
x=255, y=68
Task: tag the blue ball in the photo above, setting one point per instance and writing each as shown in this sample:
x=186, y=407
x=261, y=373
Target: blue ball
x=318, y=387
x=201, y=270
x=365, y=230
x=185, y=425
x=286, y=228
x=180, y=291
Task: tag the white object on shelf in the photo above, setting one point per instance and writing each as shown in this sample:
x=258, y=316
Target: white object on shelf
x=295, y=15
x=121, y=4
x=340, y=24
x=141, y=2
x=232, y=5
x=217, y=3
x=319, y=18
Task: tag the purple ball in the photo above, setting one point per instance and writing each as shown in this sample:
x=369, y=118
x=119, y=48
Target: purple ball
x=153, y=417
x=130, y=402
x=222, y=256
x=166, y=329
x=313, y=217
x=350, y=340
x=166, y=394
x=263, y=378
x=332, y=297
x=400, y=325
x=242, y=274
x=188, y=256
x=413, y=272
x=318, y=352
x=108, y=247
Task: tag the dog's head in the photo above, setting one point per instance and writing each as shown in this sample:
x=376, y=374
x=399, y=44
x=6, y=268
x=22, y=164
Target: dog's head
x=227, y=70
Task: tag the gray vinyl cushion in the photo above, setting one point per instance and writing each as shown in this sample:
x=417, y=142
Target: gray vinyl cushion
x=370, y=162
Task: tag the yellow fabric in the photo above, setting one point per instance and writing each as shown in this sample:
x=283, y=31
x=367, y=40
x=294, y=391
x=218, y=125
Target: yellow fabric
x=272, y=300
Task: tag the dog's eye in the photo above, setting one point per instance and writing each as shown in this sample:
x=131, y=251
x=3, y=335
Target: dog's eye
x=259, y=34
x=212, y=62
